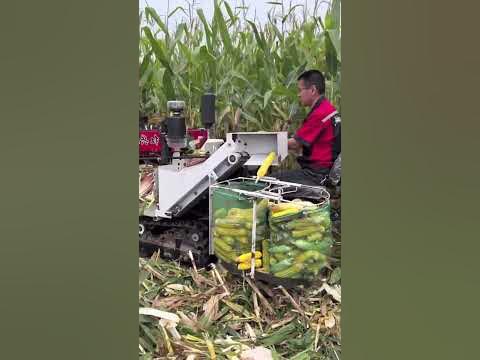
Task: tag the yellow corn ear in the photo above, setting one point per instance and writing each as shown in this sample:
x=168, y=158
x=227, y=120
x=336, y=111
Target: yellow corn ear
x=285, y=212
x=262, y=170
x=246, y=265
x=290, y=272
x=244, y=240
x=231, y=232
x=240, y=214
x=248, y=256
x=285, y=206
x=305, y=232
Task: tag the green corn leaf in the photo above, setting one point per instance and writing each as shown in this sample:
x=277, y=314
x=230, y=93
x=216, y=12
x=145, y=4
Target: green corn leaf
x=260, y=41
x=214, y=27
x=319, y=21
x=181, y=29
x=148, y=333
x=283, y=115
x=233, y=18
x=157, y=49
x=223, y=113
x=266, y=98
x=304, y=355
x=247, y=100
x=280, y=90
x=251, y=119
x=146, y=70
x=145, y=79
x=223, y=84
x=292, y=110
x=290, y=11
x=334, y=36
x=334, y=12
x=206, y=56
x=206, y=28
x=144, y=64
x=178, y=8
x=241, y=77
x=185, y=52
x=204, y=21
x=292, y=77
x=208, y=60
x=227, y=41
x=243, y=39
x=151, y=13
x=330, y=56
x=185, y=92
x=309, y=34
x=278, y=336
x=168, y=86
x=277, y=32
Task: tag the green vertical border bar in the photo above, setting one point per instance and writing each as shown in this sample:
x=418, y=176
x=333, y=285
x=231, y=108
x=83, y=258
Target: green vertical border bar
x=410, y=239
x=68, y=150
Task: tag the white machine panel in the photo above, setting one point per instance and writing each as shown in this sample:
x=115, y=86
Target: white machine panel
x=260, y=144
x=176, y=188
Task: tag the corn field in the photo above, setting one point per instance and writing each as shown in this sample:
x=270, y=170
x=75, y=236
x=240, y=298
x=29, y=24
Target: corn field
x=251, y=67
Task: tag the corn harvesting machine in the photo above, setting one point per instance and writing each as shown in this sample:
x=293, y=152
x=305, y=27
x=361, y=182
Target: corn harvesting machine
x=178, y=166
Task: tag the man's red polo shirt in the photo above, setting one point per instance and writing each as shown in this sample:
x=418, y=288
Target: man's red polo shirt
x=316, y=135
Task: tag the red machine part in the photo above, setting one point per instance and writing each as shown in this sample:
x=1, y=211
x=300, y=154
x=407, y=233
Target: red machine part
x=199, y=135
x=149, y=140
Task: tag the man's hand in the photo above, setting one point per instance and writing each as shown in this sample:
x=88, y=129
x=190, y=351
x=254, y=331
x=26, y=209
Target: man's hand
x=294, y=145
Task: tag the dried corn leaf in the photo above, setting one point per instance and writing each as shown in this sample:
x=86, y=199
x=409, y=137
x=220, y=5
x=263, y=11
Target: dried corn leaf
x=210, y=320
x=334, y=291
x=159, y=313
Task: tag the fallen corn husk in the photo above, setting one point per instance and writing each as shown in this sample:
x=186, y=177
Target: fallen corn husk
x=159, y=314
x=146, y=181
x=146, y=186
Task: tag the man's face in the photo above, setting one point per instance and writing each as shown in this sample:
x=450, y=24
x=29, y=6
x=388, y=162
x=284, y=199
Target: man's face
x=306, y=95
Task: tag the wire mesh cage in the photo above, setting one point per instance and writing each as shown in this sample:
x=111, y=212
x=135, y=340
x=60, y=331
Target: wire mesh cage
x=266, y=226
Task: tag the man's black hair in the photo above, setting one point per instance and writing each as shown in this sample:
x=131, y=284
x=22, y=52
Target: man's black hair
x=315, y=78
